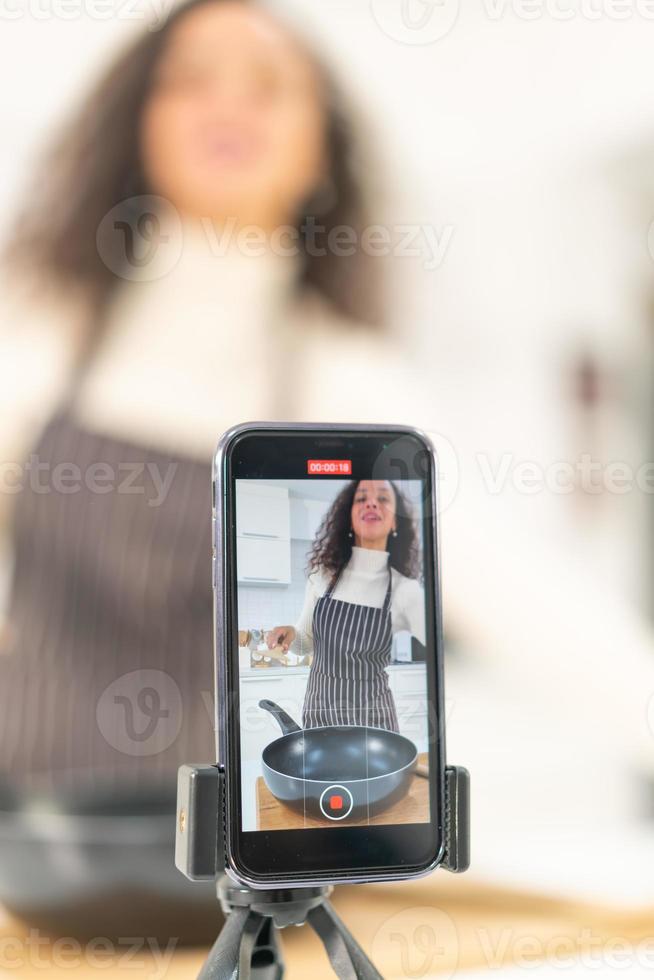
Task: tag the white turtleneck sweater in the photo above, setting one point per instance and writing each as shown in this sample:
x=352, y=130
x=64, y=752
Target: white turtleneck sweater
x=364, y=581
x=208, y=339
x=194, y=350
x=220, y=339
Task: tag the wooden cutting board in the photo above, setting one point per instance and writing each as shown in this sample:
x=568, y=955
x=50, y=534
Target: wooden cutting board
x=412, y=808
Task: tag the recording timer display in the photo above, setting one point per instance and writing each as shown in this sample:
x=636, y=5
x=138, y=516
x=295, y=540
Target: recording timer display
x=329, y=467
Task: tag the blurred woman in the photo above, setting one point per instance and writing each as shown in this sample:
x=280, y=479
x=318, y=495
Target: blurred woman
x=180, y=206
x=182, y=223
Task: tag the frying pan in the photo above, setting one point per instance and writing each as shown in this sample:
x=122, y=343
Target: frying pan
x=337, y=772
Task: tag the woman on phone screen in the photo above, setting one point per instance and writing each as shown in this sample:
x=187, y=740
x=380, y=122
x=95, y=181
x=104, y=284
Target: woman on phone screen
x=362, y=588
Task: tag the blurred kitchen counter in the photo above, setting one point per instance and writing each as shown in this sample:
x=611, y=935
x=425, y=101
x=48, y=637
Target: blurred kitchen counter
x=252, y=673
x=439, y=926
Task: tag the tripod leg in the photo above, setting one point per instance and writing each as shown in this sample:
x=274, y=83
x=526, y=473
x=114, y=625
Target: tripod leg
x=260, y=956
x=345, y=955
x=266, y=957
x=246, y=948
x=222, y=962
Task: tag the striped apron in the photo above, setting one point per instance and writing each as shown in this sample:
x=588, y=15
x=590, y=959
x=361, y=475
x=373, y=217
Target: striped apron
x=348, y=683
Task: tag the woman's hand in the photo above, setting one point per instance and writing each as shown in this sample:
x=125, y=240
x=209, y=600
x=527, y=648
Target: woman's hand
x=280, y=636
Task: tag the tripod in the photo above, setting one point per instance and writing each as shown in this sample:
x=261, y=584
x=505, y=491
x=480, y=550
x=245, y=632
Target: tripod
x=248, y=947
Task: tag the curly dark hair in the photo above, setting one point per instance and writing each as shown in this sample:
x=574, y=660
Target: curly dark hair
x=332, y=548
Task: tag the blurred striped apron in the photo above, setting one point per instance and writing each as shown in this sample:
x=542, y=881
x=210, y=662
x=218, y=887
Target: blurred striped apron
x=107, y=588
x=348, y=683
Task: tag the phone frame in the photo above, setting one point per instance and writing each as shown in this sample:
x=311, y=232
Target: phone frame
x=222, y=592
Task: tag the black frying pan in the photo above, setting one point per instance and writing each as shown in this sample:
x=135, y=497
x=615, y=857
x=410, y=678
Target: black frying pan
x=338, y=771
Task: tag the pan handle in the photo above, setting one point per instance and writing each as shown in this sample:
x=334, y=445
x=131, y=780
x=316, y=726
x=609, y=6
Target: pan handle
x=286, y=723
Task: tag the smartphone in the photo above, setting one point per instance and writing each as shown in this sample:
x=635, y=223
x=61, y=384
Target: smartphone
x=326, y=571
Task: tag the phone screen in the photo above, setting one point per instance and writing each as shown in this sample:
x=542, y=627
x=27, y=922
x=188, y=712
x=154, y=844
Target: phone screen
x=334, y=724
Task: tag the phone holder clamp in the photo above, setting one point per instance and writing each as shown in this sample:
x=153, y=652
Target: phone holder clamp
x=248, y=946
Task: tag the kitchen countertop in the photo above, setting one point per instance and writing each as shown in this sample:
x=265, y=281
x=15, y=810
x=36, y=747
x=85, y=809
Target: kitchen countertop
x=443, y=925
x=253, y=672
x=412, y=808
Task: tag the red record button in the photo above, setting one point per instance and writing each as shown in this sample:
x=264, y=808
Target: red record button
x=336, y=802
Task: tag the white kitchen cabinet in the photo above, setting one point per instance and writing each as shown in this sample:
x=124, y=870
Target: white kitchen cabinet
x=409, y=687
x=263, y=526
x=262, y=512
x=410, y=679
x=264, y=562
x=306, y=517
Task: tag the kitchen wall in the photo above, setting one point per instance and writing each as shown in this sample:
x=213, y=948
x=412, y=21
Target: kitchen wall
x=265, y=606
x=261, y=605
